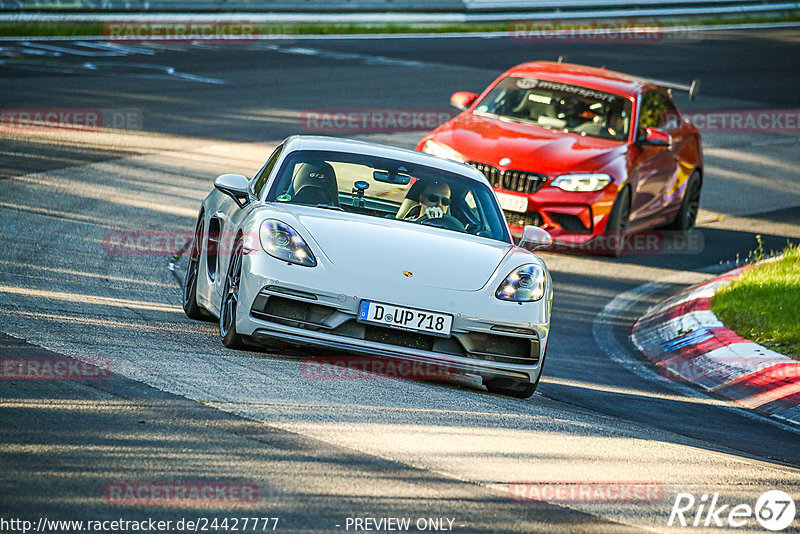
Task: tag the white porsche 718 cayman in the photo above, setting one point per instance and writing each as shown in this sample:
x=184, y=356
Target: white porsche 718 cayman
x=375, y=251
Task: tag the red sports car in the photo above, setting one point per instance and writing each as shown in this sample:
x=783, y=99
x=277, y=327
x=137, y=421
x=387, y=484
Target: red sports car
x=586, y=153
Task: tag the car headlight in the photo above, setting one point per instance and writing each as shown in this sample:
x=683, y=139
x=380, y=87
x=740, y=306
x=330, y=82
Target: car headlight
x=524, y=284
x=581, y=182
x=441, y=150
x=281, y=241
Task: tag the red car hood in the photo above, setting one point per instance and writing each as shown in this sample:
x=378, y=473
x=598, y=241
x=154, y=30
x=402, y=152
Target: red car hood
x=530, y=148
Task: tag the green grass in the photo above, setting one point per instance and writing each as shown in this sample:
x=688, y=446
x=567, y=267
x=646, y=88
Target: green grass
x=82, y=29
x=89, y=28
x=763, y=305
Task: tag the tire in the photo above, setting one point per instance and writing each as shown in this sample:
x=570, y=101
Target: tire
x=190, y=306
x=511, y=388
x=515, y=388
x=618, y=222
x=230, y=300
x=687, y=214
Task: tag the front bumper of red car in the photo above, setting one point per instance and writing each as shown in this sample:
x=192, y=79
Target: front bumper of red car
x=570, y=217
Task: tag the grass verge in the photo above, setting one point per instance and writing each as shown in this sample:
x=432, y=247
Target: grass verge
x=763, y=304
x=90, y=28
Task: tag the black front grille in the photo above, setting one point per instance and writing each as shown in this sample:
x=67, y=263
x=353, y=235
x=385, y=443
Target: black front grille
x=399, y=338
x=570, y=223
x=522, y=220
x=289, y=311
x=518, y=181
x=390, y=336
x=507, y=349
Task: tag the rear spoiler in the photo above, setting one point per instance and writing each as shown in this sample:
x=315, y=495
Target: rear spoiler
x=692, y=89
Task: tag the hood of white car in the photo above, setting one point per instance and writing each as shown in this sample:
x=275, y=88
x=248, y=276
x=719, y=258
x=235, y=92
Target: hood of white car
x=369, y=246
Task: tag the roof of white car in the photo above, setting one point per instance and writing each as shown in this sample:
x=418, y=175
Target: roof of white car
x=338, y=144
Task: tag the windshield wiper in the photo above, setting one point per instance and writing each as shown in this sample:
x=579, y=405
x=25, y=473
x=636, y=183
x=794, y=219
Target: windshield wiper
x=330, y=207
x=518, y=120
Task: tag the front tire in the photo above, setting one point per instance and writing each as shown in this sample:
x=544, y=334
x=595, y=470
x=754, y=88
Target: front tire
x=190, y=306
x=686, y=217
x=618, y=222
x=515, y=388
x=230, y=300
x=511, y=388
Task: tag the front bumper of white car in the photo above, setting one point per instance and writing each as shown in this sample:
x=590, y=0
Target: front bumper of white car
x=278, y=302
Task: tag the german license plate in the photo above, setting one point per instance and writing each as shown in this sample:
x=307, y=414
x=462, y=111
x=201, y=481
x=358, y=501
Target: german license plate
x=512, y=202
x=437, y=324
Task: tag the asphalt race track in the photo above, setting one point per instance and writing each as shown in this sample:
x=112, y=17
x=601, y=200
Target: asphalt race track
x=180, y=407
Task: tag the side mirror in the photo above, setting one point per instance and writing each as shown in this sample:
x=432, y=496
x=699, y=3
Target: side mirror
x=535, y=238
x=656, y=137
x=235, y=186
x=462, y=99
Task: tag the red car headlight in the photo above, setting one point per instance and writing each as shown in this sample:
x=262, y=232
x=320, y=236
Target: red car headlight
x=435, y=148
x=581, y=182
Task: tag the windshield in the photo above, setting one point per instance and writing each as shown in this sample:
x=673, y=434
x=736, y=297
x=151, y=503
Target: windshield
x=391, y=189
x=559, y=106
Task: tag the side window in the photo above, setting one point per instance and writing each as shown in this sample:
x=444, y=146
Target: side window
x=657, y=111
x=649, y=111
x=261, y=178
x=671, y=117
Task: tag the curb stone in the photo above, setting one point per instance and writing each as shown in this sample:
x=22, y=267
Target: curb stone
x=687, y=342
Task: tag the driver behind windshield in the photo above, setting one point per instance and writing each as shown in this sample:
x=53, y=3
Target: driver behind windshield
x=433, y=203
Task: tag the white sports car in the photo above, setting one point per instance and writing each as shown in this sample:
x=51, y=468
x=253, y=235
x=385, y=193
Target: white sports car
x=375, y=251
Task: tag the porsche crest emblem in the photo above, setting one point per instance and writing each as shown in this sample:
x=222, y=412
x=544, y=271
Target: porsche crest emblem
x=408, y=274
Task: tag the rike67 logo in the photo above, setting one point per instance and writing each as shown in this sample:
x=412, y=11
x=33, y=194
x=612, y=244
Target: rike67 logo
x=774, y=510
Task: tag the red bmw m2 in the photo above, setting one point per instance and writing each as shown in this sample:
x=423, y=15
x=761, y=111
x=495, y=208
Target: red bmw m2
x=585, y=153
